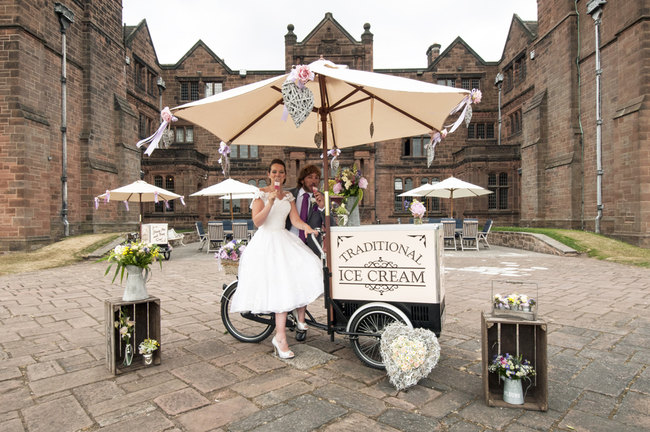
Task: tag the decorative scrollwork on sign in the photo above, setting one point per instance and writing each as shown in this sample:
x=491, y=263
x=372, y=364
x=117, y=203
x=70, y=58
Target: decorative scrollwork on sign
x=381, y=289
x=420, y=237
x=341, y=239
x=380, y=263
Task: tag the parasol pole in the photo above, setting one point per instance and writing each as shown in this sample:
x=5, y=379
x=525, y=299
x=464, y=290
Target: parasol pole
x=231, y=216
x=326, y=241
x=452, y=202
x=141, y=213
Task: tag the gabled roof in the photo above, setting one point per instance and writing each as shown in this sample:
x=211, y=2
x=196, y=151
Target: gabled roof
x=328, y=19
x=197, y=45
x=129, y=33
x=529, y=27
x=445, y=53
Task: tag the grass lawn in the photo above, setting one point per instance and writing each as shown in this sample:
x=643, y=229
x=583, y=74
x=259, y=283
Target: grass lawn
x=593, y=245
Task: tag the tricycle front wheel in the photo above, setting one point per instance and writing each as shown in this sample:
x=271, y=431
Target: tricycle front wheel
x=370, y=324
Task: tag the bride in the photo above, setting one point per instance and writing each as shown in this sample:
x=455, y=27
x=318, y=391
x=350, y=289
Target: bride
x=277, y=271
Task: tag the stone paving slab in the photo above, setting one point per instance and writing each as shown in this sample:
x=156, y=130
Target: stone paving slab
x=53, y=370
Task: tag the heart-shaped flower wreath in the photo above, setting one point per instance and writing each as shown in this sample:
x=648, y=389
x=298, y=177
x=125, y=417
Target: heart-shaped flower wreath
x=408, y=354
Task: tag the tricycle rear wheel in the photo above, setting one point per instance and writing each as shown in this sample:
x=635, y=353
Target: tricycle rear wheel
x=245, y=327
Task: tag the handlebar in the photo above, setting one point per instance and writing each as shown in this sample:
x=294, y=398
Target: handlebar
x=317, y=243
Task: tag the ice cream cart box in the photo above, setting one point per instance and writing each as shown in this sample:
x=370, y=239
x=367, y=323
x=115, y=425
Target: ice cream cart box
x=398, y=264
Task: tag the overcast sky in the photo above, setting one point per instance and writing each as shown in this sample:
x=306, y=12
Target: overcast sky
x=249, y=34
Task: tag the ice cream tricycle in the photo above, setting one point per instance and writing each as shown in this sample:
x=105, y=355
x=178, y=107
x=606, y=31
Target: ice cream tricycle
x=379, y=274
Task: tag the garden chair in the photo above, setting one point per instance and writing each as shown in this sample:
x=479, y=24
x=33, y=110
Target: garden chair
x=449, y=233
x=203, y=237
x=215, y=236
x=175, y=238
x=483, y=235
x=240, y=231
x=470, y=234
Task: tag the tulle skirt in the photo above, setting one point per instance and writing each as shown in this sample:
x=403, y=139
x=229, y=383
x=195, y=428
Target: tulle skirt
x=277, y=273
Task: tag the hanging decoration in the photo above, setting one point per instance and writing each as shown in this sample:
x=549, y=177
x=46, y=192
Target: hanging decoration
x=372, y=124
x=334, y=153
x=167, y=118
x=431, y=145
x=466, y=115
x=224, y=151
x=126, y=205
x=318, y=136
x=298, y=99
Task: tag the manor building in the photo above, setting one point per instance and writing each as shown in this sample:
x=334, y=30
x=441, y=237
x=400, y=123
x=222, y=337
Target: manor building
x=532, y=139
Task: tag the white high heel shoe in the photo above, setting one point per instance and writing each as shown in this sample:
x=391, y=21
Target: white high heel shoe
x=299, y=325
x=278, y=352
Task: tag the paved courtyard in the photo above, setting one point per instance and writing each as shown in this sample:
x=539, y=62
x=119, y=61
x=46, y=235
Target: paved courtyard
x=53, y=373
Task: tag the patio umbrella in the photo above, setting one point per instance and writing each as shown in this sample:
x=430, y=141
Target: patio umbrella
x=139, y=191
x=228, y=188
x=350, y=107
x=451, y=188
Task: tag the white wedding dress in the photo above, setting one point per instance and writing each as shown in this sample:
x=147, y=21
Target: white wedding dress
x=277, y=271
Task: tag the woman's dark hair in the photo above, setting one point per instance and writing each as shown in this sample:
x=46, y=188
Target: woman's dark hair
x=279, y=162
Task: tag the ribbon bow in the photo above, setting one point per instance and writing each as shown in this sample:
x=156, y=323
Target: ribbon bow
x=334, y=164
x=224, y=151
x=431, y=145
x=167, y=119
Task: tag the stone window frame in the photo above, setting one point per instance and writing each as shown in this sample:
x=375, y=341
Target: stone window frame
x=188, y=89
x=209, y=87
x=244, y=151
x=414, y=147
x=499, y=184
x=169, y=184
x=144, y=76
x=515, y=72
x=145, y=125
x=469, y=83
x=185, y=131
x=473, y=131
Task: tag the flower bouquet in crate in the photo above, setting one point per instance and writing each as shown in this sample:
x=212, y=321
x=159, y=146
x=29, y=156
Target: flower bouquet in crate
x=513, y=299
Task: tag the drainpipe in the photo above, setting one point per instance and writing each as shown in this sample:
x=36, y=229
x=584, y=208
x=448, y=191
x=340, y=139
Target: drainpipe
x=66, y=17
x=595, y=9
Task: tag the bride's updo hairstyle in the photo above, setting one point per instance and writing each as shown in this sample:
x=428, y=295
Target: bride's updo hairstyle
x=279, y=162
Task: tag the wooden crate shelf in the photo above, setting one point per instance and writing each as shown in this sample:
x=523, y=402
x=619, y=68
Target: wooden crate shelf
x=146, y=314
x=506, y=335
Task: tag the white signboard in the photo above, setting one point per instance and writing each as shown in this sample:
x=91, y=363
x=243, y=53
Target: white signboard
x=391, y=263
x=154, y=233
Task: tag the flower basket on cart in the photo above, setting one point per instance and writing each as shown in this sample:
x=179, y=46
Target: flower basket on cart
x=514, y=299
x=228, y=257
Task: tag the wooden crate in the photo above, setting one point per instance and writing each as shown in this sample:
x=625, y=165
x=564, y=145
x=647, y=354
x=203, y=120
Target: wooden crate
x=146, y=314
x=506, y=335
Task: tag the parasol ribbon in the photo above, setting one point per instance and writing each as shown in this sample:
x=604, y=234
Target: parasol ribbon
x=166, y=204
x=107, y=196
x=96, y=203
x=155, y=197
x=474, y=97
x=126, y=204
x=167, y=119
x=183, y=199
x=431, y=145
x=224, y=150
x=334, y=164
